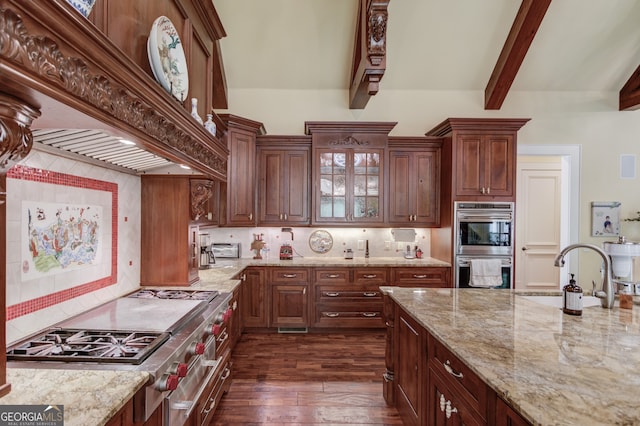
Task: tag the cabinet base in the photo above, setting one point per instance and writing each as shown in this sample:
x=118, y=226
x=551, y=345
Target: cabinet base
x=293, y=330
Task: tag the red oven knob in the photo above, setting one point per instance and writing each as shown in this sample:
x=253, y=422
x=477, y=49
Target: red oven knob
x=216, y=329
x=179, y=368
x=196, y=348
x=167, y=382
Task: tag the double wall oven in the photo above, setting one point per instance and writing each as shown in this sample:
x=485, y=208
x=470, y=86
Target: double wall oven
x=178, y=336
x=483, y=231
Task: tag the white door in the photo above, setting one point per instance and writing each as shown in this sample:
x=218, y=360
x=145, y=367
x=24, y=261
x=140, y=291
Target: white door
x=538, y=220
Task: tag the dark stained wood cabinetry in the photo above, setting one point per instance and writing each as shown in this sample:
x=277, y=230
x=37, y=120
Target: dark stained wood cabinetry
x=239, y=192
x=254, y=298
x=478, y=164
x=414, y=182
x=283, y=180
x=430, y=385
x=348, y=169
x=169, y=249
x=482, y=155
x=348, y=297
x=431, y=277
x=486, y=165
x=289, y=297
x=408, y=373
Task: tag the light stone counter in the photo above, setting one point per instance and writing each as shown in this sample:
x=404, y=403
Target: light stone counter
x=89, y=397
x=555, y=369
x=221, y=275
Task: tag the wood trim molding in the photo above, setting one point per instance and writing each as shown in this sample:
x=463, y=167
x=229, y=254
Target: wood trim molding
x=46, y=67
x=629, y=98
x=523, y=30
x=369, y=53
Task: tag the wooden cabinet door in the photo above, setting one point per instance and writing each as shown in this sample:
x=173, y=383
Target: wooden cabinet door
x=414, y=188
x=485, y=165
x=168, y=253
x=283, y=191
x=241, y=182
x=289, y=305
x=408, y=369
x=253, y=298
x=499, y=166
x=469, y=175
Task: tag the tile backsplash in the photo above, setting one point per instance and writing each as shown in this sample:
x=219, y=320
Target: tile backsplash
x=381, y=241
x=35, y=304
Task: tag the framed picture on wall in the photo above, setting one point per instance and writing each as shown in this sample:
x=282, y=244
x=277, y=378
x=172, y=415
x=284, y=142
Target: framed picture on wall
x=605, y=218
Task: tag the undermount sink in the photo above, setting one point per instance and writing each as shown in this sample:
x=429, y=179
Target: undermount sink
x=557, y=301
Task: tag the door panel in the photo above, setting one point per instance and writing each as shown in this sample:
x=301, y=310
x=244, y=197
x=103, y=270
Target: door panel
x=538, y=229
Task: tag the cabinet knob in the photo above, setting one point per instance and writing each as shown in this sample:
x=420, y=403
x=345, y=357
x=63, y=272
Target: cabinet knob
x=447, y=366
x=370, y=293
x=420, y=277
x=289, y=275
x=370, y=276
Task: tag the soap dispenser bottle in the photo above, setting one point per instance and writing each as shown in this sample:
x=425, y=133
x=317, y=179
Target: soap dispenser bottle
x=572, y=297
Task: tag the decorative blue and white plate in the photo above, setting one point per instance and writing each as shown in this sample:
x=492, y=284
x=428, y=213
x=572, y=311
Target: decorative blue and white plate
x=167, y=59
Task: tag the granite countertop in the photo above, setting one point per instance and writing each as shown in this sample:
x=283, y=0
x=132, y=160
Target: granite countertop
x=551, y=367
x=89, y=397
x=221, y=276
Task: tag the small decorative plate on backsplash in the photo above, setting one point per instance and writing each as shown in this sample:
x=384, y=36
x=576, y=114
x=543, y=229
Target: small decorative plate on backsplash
x=167, y=59
x=320, y=241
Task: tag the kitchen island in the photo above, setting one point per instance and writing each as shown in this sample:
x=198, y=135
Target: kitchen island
x=551, y=368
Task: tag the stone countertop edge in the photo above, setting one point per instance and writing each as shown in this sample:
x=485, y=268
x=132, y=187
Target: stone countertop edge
x=222, y=276
x=552, y=368
x=89, y=397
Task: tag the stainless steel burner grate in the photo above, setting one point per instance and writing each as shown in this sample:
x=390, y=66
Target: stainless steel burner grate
x=89, y=346
x=148, y=293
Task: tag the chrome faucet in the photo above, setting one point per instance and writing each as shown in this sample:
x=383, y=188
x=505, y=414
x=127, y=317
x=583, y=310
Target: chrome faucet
x=606, y=295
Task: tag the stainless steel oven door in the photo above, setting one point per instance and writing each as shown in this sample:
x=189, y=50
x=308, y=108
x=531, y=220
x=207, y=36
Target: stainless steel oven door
x=463, y=271
x=484, y=232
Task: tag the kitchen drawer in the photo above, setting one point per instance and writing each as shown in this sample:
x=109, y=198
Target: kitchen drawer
x=378, y=276
x=349, y=316
x=289, y=275
x=331, y=276
x=422, y=277
x=331, y=294
x=459, y=377
x=214, y=391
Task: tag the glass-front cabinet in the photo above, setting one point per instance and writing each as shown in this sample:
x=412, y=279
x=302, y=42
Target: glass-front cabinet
x=350, y=185
x=348, y=172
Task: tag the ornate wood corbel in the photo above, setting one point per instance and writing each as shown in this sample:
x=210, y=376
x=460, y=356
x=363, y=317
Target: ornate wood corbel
x=370, y=49
x=201, y=192
x=15, y=135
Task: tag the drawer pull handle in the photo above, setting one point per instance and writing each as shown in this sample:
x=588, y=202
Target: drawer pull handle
x=289, y=275
x=369, y=276
x=447, y=366
x=332, y=276
x=419, y=276
x=331, y=314
x=370, y=293
x=369, y=314
x=332, y=294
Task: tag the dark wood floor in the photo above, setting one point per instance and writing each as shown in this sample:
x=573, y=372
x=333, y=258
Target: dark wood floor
x=307, y=379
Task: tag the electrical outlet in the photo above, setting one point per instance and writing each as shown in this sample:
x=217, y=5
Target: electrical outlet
x=387, y=245
x=360, y=244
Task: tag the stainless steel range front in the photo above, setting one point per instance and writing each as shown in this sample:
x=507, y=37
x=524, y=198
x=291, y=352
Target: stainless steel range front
x=171, y=334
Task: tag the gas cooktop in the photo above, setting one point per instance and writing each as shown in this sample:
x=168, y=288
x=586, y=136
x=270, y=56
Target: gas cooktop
x=153, y=293
x=88, y=346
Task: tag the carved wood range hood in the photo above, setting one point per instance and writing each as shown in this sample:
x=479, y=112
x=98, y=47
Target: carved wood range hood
x=50, y=80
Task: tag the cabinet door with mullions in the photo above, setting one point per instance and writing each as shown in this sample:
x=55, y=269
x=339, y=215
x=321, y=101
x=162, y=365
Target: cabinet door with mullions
x=350, y=186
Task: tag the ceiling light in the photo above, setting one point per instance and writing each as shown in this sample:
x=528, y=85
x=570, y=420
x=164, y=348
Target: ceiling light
x=127, y=142
x=184, y=166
